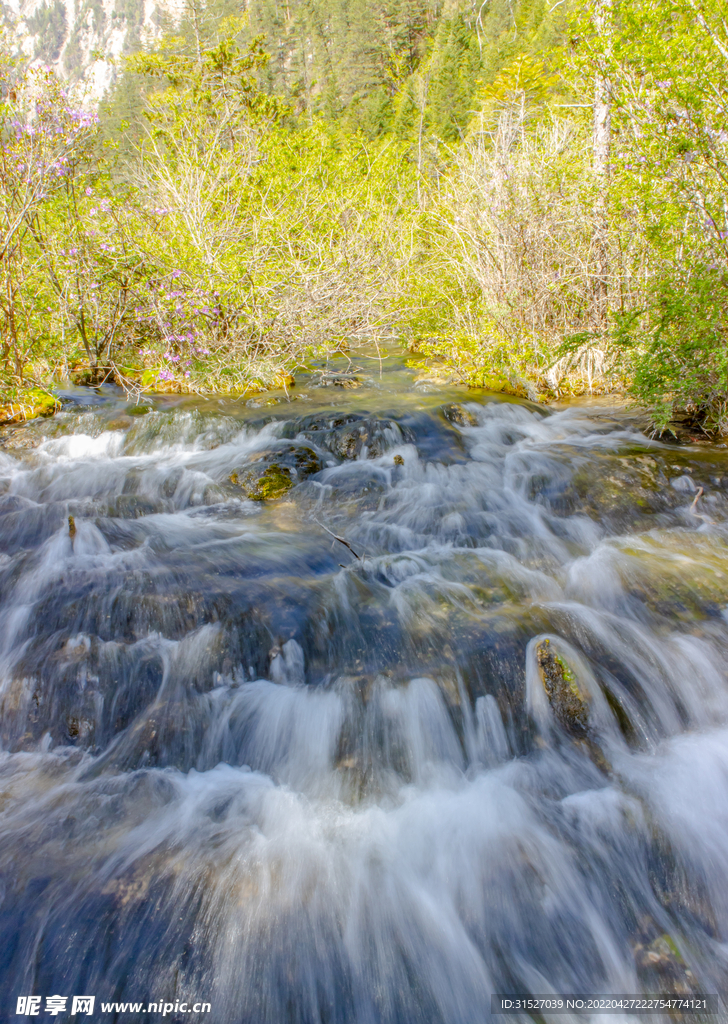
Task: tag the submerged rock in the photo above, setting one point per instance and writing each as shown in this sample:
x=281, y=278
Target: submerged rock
x=660, y=964
x=273, y=473
x=674, y=573
x=337, y=378
x=123, y=422
x=23, y=439
x=133, y=506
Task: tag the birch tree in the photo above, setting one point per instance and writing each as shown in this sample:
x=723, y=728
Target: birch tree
x=601, y=155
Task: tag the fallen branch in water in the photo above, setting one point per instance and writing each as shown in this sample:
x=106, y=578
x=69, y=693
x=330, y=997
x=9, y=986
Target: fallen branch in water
x=340, y=540
x=693, y=508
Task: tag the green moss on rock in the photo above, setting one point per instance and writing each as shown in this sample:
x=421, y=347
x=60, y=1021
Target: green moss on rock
x=271, y=483
x=568, y=702
x=271, y=474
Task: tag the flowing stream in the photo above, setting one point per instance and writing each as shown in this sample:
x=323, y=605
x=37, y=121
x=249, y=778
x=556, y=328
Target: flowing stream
x=311, y=781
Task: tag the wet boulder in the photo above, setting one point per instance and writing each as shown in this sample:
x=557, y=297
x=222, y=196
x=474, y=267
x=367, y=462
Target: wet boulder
x=617, y=490
x=575, y=699
x=353, y=436
x=569, y=703
x=459, y=415
x=272, y=473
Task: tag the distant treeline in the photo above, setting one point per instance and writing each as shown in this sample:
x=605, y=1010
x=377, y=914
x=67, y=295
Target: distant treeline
x=532, y=194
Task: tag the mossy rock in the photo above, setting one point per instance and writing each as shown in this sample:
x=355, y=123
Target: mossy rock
x=568, y=702
x=458, y=415
x=659, y=963
x=266, y=485
x=272, y=474
x=28, y=406
x=622, y=491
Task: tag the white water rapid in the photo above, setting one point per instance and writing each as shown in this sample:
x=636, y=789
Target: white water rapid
x=312, y=783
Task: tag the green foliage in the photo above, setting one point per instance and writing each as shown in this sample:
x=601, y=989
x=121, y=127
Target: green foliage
x=668, y=69
x=327, y=171
x=44, y=139
x=238, y=240
x=677, y=347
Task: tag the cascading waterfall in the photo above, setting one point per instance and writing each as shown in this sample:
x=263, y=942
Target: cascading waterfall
x=309, y=781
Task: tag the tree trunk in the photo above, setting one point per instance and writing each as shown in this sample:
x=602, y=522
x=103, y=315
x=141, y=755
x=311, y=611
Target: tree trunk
x=602, y=143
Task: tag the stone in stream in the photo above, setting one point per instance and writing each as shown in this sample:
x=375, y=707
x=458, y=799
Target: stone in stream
x=658, y=960
x=350, y=436
x=271, y=474
x=459, y=415
x=122, y=422
x=569, y=701
x=22, y=439
x=569, y=704
x=133, y=506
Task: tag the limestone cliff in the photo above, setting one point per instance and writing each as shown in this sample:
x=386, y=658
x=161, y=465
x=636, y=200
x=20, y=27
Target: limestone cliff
x=79, y=39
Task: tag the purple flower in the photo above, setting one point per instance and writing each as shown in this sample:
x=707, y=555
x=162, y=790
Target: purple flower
x=165, y=375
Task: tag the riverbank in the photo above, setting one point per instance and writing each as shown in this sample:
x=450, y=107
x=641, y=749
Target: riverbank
x=342, y=370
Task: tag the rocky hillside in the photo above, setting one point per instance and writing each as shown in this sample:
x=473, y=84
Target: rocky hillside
x=80, y=38
x=374, y=65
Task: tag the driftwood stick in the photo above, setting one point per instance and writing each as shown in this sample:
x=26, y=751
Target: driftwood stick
x=694, y=509
x=340, y=539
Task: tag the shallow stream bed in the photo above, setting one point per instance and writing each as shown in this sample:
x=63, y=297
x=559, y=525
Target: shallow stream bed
x=310, y=781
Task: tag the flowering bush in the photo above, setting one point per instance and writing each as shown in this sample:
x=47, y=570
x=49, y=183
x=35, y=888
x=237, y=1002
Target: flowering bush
x=43, y=138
